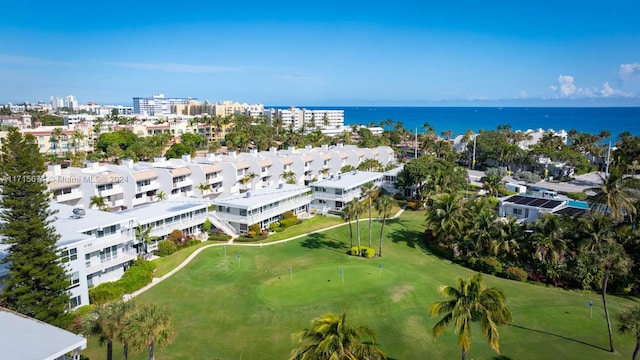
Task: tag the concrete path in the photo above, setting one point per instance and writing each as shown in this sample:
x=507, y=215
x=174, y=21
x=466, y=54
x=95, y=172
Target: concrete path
x=156, y=281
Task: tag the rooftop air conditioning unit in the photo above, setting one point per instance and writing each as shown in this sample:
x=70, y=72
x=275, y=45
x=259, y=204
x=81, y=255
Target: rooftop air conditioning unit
x=79, y=212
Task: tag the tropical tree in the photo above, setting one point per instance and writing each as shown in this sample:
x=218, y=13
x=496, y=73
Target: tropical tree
x=358, y=209
x=630, y=323
x=468, y=302
x=248, y=178
x=37, y=282
x=161, y=196
x=611, y=257
x=384, y=205
x=331, y=338
x=78, y=137
x=121, y=310
x=348, y=214
x=144, y=237
x=616, y=196
x=100, y=323
x=99, y=202
x=446, y=218
x=370, y=191
x=203, y=187
x=289, y=177
x=149, y=326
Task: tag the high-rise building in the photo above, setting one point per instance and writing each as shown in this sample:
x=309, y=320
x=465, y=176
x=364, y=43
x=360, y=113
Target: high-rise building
x=158, y=104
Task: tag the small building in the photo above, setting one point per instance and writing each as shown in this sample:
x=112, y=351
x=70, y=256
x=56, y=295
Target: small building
x=23, y=337
x=529, y=208
x=263, y=206
x=335, y=192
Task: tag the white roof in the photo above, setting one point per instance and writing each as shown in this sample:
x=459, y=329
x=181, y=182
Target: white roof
x=255, y=199
x=348, y=180
x=22, y=337
x=163, y=209
x=70, y=226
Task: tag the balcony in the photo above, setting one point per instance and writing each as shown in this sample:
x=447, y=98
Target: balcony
x=154, y=185
x=75, y=194
x=117, y=189
x=167, y=227
x=115, y=239
x=266, y=214
x=183, y=183
x=97, y=265
x=214, y=179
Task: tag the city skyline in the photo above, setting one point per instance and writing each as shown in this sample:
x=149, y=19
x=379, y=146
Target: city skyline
x=285, y=53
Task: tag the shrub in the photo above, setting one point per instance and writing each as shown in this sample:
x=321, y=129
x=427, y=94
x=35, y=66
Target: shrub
x=175, y=236
x=166, y=247
x=488, y=265
x=206, y=225
x=365, y=251
x=255, y=228
x=214, y=236
x=285, y=223
x=527, y=176
x=105, y=292
x=288, y=214
x=275, y=227
x=577, y=196
x=515, y=273
x=251, y=234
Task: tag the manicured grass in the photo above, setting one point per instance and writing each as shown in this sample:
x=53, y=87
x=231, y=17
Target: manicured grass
x=247, y=307
x=168, y=263
x=308, y=225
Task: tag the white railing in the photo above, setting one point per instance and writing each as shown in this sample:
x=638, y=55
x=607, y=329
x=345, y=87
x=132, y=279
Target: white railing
x=167, y=228
x=106, y=241
x=179, y=184
x=97, y=265
x=222, y=225
x=74, y=194
x=215, y=179
x=265, y=214
x=152, y=186
x=117, y=189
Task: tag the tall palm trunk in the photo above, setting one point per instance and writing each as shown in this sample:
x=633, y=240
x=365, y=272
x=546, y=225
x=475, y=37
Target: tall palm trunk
x=350, y=234
x=605, y=280
x=109, y=350
x=370, y=220
x=125, y=351
x=358, y=232
x=384, y=220
x=151, y=352
x=464, y=355
x=637, y=350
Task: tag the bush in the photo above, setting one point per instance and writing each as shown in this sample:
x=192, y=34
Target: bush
x=288, y=214
x=527, y=176
x=214, y=236
x=515, y=273
x=580, y=196
x=365, y=251
x=105, y=292
x=415, y=205
x=285, y=223
x=251, y=234
x=206, y=225
x=255, y=228
x=175, y=236
x=166, y=248
x=488, y=265
x=275, y=227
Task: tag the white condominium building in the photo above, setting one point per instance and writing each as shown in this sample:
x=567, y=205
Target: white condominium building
x=338, y=190
x=158, y=104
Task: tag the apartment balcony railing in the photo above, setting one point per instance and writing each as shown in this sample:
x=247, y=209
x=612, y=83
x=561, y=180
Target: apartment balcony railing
x=183, y=183
x=152, y=186
x=117, y=189
x=167, y=227
x=265, y=214
x=215, y=179
x=106, y=241
x=98, y=265
x=73, y=195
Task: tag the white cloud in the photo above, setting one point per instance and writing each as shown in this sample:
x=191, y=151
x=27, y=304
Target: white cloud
x=567, y=88
x=629, y=70
x=176, y=67
x=608, y=91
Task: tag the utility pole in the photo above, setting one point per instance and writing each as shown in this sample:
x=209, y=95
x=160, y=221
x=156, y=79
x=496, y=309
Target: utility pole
x=473, y=162
x=415, y=153
x=606, y=171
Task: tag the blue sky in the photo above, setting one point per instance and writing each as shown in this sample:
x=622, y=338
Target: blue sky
x=535, y=53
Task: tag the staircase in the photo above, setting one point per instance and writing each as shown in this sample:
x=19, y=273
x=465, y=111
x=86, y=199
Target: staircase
x=221, y=224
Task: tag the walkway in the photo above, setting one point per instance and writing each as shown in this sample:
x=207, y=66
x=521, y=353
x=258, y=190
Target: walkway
x=156, y=281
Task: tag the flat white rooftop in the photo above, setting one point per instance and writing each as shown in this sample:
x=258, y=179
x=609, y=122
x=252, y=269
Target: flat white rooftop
x=163, y=209
x=348, y=180
x=22, y=337
x=257, y=198
x=70, y=226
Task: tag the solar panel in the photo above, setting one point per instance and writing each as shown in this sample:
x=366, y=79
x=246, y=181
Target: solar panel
x=538, y=202
x=551, y=204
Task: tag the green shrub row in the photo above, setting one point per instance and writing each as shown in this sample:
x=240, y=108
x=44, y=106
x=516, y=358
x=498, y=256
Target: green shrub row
x=365, y=251
x=486, y=264
x=168, y=247
x=214, y=236
x=580, y=196
x=136, y=277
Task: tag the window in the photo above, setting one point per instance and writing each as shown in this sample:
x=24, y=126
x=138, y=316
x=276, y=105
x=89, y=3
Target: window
x=75, y=301
x=517, y=211
x=69, y=255
x=74, y=279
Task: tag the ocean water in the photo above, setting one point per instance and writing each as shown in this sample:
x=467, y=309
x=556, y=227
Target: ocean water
x=460, y=119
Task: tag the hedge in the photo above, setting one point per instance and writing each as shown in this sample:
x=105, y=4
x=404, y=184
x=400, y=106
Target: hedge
x=365, y=251
x=515, y=273
x=213, y=236
x=487, y=265
x=136, y=277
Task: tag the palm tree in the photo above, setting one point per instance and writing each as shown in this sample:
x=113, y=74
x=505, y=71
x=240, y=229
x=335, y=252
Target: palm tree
x=204, y=187
x=160, y=195
x=248, y=177
x=610, y=256
x=78, y=137
x=99, y=202
x=348, y=214
x=144, y=236
x=149, y=326
x=630, y=323
x=616, y=196
x=370, y=191
x=56, y=136
x=446, y=218
x=384, y=205
x=471, y=301
x=121, y=310
x=289, y=177
x=331, y=338
x=358, y=209
x=99, y=322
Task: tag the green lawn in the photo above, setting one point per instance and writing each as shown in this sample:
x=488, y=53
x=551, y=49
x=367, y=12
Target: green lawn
x=247, y=307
